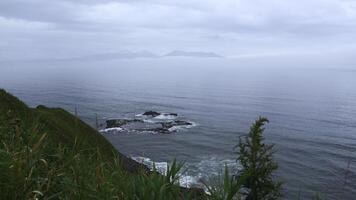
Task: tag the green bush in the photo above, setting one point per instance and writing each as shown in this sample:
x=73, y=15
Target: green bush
x=258, y=164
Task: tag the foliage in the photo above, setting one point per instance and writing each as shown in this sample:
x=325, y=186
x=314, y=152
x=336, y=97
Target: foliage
x=258, y=165
x=256, y=174
x=227, y=188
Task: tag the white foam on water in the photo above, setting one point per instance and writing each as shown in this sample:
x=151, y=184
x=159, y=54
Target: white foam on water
x=160, y=167
x=207, y=168
x=165, y=116
x=149, y=121
x=215, y=165
x=182, y=127
x=193, y=124
x=110, y=130
x=175, y=128
x=187, y=181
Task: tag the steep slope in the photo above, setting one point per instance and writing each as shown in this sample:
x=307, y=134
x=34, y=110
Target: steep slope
x=62, y=128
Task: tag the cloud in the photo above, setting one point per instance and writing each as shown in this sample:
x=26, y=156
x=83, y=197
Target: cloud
x=226, y=26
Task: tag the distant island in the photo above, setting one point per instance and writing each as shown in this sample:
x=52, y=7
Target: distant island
x=125, y=54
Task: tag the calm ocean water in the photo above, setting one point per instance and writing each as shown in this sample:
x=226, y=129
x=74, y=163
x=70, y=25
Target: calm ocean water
x=312, y=112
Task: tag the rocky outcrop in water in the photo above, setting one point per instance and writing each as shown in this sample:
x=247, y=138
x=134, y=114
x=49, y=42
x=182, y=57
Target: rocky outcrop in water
x=114, y=123
x=168, y=125
x=155, y=114
x=165, y=124
x=151, y=113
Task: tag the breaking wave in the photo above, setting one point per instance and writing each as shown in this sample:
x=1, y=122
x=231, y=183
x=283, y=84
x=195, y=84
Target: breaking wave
x=111, y=130
x=166, y=116
x=194, y=174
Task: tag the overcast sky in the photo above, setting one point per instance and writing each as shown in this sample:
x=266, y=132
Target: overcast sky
x=66, y=28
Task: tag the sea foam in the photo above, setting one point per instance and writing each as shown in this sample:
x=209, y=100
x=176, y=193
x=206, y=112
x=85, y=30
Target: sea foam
x=111, y=130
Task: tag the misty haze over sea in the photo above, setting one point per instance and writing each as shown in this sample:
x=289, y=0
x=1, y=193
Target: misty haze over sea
x=312, y=110
x=206, y=69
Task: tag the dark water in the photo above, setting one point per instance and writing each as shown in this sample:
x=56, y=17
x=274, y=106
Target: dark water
x=312, y=112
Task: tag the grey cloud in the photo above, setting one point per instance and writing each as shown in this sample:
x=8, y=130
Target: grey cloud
x=42, y=11
x=53, y=28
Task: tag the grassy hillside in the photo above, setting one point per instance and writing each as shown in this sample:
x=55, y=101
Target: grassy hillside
x=61, y=127
x=48, y=153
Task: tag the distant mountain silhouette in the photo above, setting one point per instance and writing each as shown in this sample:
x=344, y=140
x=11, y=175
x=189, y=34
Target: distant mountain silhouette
x=192, y=54
x=145, y=54
x=125, y=55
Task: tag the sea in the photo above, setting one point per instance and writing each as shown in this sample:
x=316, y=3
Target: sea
x=311, y=109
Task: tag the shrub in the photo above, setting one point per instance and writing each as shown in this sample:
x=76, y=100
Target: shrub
x=258, y=165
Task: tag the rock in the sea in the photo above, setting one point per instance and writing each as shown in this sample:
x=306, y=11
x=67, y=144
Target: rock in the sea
x=158, y=127
x=172, y=114
x=182, y=123
x=112, y=123
x=168, y=125
x=161, y=130
x=155, y=114
x=151, y=113
x=141, y=125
